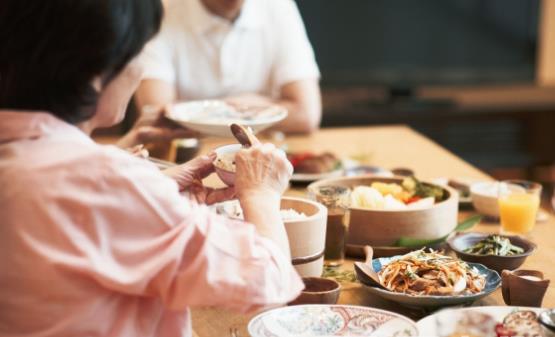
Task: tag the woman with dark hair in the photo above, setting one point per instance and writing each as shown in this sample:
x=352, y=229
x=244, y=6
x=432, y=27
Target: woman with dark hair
x=95, y=242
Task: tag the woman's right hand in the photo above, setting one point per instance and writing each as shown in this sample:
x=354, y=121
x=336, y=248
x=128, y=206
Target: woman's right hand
x=261, y=170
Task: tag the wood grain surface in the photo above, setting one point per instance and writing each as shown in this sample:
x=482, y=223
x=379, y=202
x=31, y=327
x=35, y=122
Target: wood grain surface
x=388, y=147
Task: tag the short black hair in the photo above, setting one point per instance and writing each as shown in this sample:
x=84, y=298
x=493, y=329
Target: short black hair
x=51, y=50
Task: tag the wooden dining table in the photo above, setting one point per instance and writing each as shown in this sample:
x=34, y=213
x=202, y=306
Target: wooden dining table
x=388, y=147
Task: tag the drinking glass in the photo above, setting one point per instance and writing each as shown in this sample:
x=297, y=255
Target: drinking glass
x=519, y=201
x=336, y=200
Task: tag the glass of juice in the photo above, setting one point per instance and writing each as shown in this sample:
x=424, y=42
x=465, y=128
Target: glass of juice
x=519, y=201
x=336, y=200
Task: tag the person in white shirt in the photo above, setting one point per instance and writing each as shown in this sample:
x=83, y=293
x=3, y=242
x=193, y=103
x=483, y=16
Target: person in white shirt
x=247, y=52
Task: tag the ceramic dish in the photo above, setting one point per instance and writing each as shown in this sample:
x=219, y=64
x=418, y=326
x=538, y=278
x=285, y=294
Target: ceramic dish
x=493, y=281
x=461, y=185
x=310, y=177
x=358, y=170
x=463, y=241
x=484, y=198
x=331, y=321
x=307, y=236
x=226, y=175
x=213, y=117
x=428, y=325
x=318, y=290
x=383, y=228
x=349, y=168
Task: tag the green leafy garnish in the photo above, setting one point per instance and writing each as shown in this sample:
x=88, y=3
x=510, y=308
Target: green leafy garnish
x=340, y=276
x=423, y=190
x=495, y=245
x=415, y=243
x=468, y=223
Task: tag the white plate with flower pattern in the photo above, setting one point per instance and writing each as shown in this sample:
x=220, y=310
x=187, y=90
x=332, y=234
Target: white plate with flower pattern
x=330, y=321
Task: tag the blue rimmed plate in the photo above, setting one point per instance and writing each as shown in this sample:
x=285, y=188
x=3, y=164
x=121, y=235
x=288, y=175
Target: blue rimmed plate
x=493, y=281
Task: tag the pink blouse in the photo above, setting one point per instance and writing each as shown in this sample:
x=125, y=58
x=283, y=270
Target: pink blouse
x=95, y=242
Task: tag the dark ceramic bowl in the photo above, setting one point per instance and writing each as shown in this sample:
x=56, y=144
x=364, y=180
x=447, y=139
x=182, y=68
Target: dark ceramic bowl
x=460, y=242
x=318, y=290
x=186, y=149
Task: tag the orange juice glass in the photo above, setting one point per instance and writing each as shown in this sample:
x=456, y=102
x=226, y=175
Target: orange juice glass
x=519, y=201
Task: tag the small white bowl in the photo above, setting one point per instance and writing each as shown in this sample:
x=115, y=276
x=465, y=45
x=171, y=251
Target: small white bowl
x=227, y=176
x=485, y=198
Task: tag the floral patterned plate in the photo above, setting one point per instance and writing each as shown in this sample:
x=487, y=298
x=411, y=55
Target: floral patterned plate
x=330, y=321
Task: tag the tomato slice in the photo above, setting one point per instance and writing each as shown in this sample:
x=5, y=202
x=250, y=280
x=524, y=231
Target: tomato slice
x=297, y=158
x=413, y=199
x=502, y=331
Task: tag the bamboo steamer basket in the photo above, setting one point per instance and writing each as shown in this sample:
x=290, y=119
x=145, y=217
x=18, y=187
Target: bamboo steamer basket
x=380, y=228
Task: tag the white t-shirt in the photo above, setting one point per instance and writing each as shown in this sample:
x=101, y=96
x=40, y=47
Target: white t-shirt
x=206, y=56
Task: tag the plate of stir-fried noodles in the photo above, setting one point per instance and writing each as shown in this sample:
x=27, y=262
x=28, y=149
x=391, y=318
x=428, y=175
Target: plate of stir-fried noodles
x=430, y=279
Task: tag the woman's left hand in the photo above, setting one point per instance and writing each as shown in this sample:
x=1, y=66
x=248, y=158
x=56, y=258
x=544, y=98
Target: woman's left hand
x=153, y=127
x=189, y=178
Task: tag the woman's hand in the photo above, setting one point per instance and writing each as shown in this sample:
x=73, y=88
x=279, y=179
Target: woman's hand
x=262, y=175
x=138, y=151
x=153, y=127
x=189, y=178
x=262, y=170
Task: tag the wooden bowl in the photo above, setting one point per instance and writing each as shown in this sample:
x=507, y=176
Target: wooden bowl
x=381, y=228
x=460, y=242
x=307, y=237
x=523, y=288
x=318, y=290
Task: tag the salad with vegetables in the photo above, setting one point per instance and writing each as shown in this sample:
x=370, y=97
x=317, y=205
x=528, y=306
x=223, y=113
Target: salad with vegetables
x=410, y=194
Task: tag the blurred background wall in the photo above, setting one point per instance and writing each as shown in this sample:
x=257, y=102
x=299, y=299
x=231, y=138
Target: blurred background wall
x=476, y=76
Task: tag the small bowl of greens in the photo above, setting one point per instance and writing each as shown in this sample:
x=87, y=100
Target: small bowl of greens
x=497, y=252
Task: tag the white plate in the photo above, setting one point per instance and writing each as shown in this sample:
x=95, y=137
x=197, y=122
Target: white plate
x=463, y=200
x=331, y=321
x=349, y=168
x=310, y=177
x=427, y=325
x=213, y=117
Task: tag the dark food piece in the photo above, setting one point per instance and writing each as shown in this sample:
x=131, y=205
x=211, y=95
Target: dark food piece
x=502, y=331
x=311, y=163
